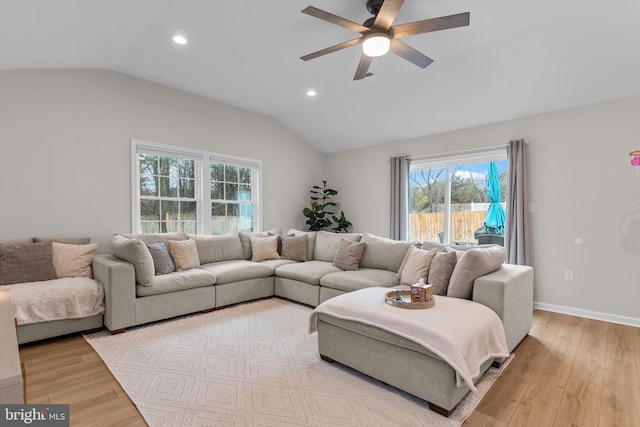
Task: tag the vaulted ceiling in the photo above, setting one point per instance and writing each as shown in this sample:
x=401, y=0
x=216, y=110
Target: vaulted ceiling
x=516, y=58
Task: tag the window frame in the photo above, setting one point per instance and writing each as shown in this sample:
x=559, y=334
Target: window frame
x=446, y=161
x=202, y=184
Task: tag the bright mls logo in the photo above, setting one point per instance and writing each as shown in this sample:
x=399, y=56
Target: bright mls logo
x=34, y=415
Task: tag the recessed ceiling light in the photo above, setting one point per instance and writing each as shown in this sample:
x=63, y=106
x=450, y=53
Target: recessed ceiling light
x=311, y=92
x=177, y=38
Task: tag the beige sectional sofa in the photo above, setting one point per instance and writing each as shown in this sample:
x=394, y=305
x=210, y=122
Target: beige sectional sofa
x=51, y=285
x=228, y=274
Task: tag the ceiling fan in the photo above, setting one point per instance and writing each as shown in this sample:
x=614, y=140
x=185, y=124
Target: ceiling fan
x=378, y=36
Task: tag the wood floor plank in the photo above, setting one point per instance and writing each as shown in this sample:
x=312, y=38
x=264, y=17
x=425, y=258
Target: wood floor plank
x=621, y=374
x=588, y=364
x=555, y=368
x=503, y=397
x=620, y=343
x=538, y=407
x=619, y=407
x=580, y=405
x=478, y=419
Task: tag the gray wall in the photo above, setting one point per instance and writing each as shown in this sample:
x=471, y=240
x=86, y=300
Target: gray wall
x=580, y=181
x=65, y=150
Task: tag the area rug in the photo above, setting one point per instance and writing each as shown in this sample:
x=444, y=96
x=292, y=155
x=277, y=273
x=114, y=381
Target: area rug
x=254, y=364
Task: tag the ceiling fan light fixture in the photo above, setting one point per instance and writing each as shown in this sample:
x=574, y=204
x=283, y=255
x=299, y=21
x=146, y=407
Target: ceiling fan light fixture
x=376, y=44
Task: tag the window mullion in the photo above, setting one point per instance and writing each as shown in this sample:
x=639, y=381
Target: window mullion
x=447, y=204
x=205, y=191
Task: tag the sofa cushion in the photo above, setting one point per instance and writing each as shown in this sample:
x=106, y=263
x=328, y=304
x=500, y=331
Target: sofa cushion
x=348, y=255
x=156, y=237
x=237, y=270
x=264, y=248
x=57, y=299
x=440, y=271
x=383, y=253
x=223, y=247
x=275, y=263
x=184, y=254
x=415, y=266
x=72, y=260
x=311, y=240
x=441, y=247
x=309, y=272
x=177, y=281
x=295, y=247
x=135, y=252
x=245, y=239
x=162, y=261
x=327, y=244
x=364, y=278
x=471, y=265
x=26, y=262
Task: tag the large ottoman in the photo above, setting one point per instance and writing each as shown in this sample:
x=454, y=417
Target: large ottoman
x=349, y=333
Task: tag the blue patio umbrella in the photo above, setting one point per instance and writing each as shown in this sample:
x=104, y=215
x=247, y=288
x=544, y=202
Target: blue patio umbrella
x=494, y=219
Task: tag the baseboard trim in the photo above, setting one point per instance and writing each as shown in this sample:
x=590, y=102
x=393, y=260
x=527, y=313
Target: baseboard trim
x=596, y=315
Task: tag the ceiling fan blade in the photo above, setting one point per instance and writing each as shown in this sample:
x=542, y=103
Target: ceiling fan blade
x=430, y=25
x=410, y=54
x=332, y=49
x=387, y=14
x=335, y=19
x=363, y=67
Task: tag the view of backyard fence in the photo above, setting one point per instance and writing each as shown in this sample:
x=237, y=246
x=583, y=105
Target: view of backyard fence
x=425, y=226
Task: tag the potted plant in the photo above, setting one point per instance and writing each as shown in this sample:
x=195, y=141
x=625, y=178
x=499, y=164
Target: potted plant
x=319, y=214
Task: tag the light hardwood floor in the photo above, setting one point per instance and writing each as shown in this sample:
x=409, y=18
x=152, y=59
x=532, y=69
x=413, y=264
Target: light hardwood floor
x=569, y=371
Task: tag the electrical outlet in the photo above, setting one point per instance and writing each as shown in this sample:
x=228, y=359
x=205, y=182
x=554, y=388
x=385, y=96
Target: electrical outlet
x=568, y=275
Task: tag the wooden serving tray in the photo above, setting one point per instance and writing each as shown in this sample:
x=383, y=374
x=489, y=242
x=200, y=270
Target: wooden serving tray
x=390, y=298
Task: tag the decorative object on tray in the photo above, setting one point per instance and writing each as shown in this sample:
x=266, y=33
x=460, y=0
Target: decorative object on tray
x=402, y=299
x=421, y=292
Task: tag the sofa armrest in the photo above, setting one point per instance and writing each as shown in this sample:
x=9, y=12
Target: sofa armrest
x=118, y=279
x=509, y=292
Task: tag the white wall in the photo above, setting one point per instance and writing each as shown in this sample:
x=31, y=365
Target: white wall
x=65, y=150
x=580, y=181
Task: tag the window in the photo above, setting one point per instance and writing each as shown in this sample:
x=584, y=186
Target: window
x=167, y=194
x=231, y=198
x=449, y=197
x=195, y=192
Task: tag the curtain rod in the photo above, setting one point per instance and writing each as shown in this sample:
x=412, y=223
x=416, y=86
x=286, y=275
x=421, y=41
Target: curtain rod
x=450, y=153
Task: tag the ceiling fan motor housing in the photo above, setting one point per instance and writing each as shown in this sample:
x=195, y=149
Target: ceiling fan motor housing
x=373, y=6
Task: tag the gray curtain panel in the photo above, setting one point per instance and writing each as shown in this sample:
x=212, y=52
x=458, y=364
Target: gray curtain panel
x=517, y=232
x=400, y=197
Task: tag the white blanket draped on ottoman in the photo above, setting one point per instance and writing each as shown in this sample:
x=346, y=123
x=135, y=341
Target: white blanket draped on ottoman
x=463, y=333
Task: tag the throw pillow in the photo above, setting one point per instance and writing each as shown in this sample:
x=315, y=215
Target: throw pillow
x=295, y=247
x=264, y=248
x=26, y=262
x=415, y=265
x=135, y=252
x=72, y=260
x=383, y=253
x=184, y=254
x=161, y=258
x=311, y=240
x=440, y=271
x=471, y=265
x=327, y=244
x=349, y=254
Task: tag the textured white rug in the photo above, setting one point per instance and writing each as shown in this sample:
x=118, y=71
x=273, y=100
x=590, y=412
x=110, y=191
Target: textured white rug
x=255, y=365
